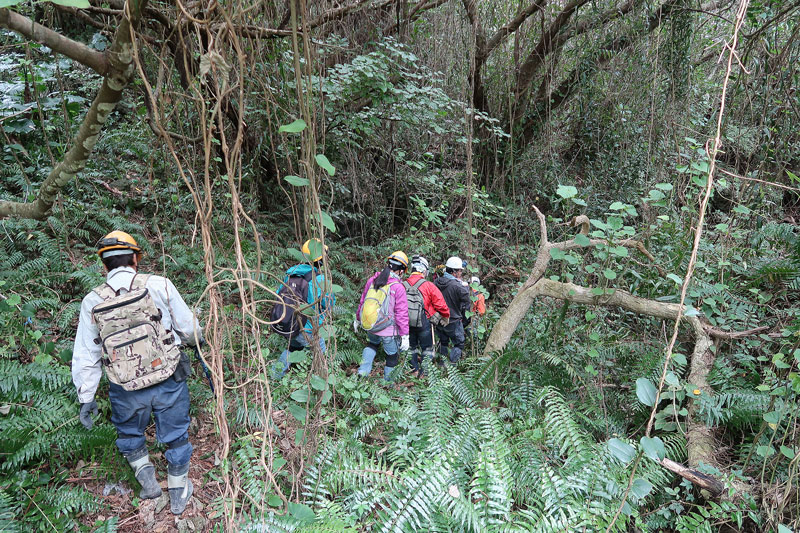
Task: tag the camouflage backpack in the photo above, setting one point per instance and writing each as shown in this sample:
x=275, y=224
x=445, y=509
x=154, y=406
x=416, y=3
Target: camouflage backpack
x=137, y=351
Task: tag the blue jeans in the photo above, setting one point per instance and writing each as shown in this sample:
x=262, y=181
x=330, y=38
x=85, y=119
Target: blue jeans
x=296, y=344
x=420, y=340
x=168, y=402
x=452, y=332
x=390, y=345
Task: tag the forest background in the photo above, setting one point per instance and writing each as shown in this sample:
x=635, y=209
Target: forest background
x=620, y=174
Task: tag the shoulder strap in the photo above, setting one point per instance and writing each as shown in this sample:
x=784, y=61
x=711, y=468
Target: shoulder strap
x=418, y=284
x=139, y=281
x=406, y=285
x=104, y=291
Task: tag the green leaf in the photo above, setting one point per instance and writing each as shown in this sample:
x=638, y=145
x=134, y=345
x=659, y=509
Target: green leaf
x=621, y=450
x=80, y=4
x=326, y=396
x=323, y=162
x=301, y=512
x=664, y=186
x=557, y=254
x=566, y=191
x=646, y=391
x=9, y=3
x=772, y=417
x=653, y=448
x=609, y=274
x=297, y=181
x=300, y=395
x=619, y=251
x=788, y=452
x=742, y=210
x=676, y=279
x=298, y=356
x=317, y=383
x=295, y=127
x=783, y=529
x=641, y=488
x=679, y=359
x=765, y=451
x=582, y=240
x=327, y=221
x=297, y=254
x=298, y=412
x=274, y=500
x=616, y=206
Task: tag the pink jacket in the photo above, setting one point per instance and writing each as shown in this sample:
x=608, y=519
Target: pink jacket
x=397, y=293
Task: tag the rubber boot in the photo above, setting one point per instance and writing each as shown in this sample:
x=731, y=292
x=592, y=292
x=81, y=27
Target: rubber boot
x=387, y=371
x=180, y=487
x=145, y=474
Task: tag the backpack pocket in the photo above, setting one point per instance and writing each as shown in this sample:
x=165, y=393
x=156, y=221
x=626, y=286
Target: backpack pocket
x=133, y=352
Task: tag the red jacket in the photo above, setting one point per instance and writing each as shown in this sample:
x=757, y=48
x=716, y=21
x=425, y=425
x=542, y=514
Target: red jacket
x=431, y=296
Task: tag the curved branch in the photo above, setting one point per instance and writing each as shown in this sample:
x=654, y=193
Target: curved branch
x=120, y=72
x=34, y=31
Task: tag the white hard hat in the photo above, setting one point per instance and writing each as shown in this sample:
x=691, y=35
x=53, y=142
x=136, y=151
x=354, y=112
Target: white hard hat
x=455, y=263
x=419, y=264
x=475, y=279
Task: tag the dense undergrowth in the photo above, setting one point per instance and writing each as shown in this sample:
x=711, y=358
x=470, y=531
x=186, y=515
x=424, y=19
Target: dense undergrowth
x=546, y=435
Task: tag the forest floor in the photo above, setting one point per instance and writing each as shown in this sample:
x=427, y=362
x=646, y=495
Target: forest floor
x=154, y=516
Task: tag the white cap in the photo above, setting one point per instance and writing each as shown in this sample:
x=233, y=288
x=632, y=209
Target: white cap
x=419, y=264
x=475, y=279
x=455, y=263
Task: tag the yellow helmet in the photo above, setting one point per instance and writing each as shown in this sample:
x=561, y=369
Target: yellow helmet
x=315, y=254
x=117, y=240
x=399, y=257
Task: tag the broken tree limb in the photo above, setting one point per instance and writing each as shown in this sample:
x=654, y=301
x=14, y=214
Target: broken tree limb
x=708, y=483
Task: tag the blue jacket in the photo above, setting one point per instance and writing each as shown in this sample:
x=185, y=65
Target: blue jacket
x=324, y=301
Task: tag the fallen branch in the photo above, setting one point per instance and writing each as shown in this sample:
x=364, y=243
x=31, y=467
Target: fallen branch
x=713, y=486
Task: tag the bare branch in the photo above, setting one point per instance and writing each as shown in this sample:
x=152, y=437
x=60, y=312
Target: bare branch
x=34, y=31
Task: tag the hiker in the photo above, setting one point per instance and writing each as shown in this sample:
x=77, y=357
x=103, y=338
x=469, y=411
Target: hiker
x=383, y=314
x=303, y=284
x=134, y=326
x=426, y=308
x=478, y=308
x=456, y=295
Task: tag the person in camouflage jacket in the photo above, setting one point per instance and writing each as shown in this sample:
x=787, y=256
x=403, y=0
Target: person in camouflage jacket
x=147, y=373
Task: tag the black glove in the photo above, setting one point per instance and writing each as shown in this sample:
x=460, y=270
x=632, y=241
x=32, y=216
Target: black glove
x=88, y=409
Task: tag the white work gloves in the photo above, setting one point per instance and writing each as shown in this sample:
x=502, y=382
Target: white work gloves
x=404, y=343
x=356, y=325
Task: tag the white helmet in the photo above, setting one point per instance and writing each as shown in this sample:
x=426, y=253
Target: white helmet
x=475, y=279
x=419, y=264
x=455, y=263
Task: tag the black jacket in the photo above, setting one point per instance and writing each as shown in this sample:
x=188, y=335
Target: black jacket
x=456, y=295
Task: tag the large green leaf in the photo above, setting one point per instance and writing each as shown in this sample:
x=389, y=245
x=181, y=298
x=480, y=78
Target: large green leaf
x=295, y=127
x=301, y=512
x=646, y=391
x=325, y=164
x=566, y=191
x=297, y=181
x=653, y=448
x=621, y=450
x=80, y=4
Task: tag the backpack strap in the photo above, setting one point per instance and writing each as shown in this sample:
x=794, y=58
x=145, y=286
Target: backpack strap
x=418, y=284
x=406, y=285
x=139, y=281
x=104, y=291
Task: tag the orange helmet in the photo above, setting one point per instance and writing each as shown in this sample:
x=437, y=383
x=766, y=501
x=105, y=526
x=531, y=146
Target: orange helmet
x=117, y=240
x=398, y=257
